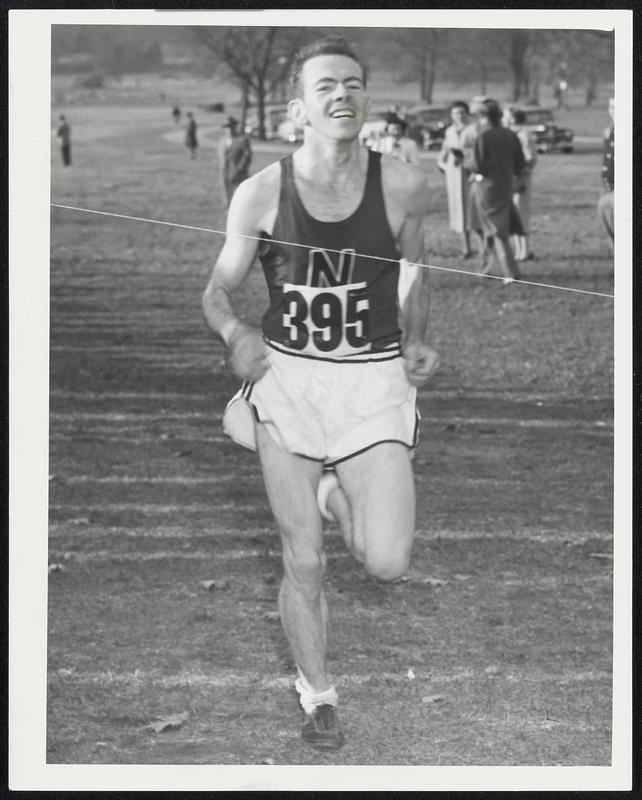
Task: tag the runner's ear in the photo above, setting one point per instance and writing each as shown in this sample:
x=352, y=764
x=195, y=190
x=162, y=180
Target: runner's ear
x=296, y=111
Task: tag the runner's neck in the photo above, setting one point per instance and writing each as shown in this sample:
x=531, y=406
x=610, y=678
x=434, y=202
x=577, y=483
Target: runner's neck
x=331, y=163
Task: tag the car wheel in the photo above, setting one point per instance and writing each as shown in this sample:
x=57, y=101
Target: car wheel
x=568, y=149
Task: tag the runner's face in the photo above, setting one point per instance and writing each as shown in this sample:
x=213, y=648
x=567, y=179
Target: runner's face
x=334, y=97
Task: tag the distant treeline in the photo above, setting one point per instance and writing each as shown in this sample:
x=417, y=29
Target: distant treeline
x=257, y=59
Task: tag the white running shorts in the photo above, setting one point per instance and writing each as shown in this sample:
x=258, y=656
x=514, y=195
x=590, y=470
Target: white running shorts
x=325, y=410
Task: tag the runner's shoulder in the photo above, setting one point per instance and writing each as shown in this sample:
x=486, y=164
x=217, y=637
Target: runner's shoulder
x=257, y=195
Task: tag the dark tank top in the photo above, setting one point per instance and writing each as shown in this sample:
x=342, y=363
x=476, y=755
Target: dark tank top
x=328, y=299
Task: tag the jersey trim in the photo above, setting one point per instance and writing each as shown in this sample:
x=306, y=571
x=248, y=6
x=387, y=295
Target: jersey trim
x=387, y=354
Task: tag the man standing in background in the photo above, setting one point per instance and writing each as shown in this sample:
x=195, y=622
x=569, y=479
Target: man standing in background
x=64, y=134
x=396, y=143
x=235, y=157
x=191, y=141
x=605, y=203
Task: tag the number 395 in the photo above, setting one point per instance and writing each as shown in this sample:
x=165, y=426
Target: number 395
x=331, y=321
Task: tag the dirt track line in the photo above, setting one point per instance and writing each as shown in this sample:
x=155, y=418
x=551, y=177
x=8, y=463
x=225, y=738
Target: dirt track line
x=553, y=536
x=102, y=396
x=178, y=511
x=82, y=528
x=444, y=394
x=159, y=555
x=65, y=416
x=217, y=555
x=153, y=508
x=84, y=531
x=230, y=679
x=133, y=416
x=132, y=479
x=198, y=358
x=520, y=423
x=132, y=440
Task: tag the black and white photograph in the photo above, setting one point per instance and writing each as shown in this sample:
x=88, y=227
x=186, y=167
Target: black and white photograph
x=320, y=426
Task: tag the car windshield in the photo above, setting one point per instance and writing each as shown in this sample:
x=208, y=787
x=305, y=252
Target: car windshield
x=538, y=117
x=432, y=115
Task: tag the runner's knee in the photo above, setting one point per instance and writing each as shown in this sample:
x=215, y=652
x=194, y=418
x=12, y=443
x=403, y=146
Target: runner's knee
x=387, y=566
x=304, y=565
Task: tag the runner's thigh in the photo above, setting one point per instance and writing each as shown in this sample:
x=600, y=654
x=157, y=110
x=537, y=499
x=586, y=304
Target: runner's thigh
x=380, y=488
x=291, y=483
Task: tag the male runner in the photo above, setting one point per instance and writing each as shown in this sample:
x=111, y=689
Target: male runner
x=330, y=380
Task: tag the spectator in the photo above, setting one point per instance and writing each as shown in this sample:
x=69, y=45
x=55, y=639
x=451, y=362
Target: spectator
x=396, y=143
x=561, y=90
x=591, y=88
x=497, y=159
x=190, y=137
x=176, y=115
x=605, y=203
x=64, y=134
x=235, y=157
x=514, y=119
x=454, y=162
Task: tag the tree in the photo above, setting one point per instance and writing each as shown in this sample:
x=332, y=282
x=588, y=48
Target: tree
x=257, y=58
x=588, y=56
x=515, y=47
x=419, y=50
x=535, y=55
x=471, y=57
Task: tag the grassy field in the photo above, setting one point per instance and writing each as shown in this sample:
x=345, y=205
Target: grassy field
x=497, y=651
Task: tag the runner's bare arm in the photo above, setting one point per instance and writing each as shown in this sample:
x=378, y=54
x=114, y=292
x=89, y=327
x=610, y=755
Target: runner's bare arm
x=248, y=352
x=420, y=360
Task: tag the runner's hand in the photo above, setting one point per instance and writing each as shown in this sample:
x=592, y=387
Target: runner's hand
x=420, y=362
x=248, y=353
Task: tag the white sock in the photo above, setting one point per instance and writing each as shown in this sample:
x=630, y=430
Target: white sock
x=327, y=483
x=310, y=699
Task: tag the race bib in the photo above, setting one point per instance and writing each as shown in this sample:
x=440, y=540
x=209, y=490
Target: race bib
x=331, y=321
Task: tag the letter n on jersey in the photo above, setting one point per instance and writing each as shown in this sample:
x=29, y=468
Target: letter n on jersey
x=322, y=271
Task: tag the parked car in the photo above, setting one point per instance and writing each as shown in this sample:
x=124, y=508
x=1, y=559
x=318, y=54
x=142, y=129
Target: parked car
x=427, y=125
x=548, y=136
x=274, y=116
x=215, y=108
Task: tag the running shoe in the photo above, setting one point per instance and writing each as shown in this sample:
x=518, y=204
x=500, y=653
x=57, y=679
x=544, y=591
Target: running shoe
x=321, y=729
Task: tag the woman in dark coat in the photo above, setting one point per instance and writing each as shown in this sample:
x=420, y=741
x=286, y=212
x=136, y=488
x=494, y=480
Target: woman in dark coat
x=497, y=160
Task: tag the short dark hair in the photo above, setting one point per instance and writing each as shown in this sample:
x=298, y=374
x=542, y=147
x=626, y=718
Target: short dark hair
x=519, y=116
x=394, y=119
x=330, y=46
x=460, y=104
x=491, y=109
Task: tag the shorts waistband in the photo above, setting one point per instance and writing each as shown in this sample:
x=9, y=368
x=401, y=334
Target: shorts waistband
x=389, y=353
